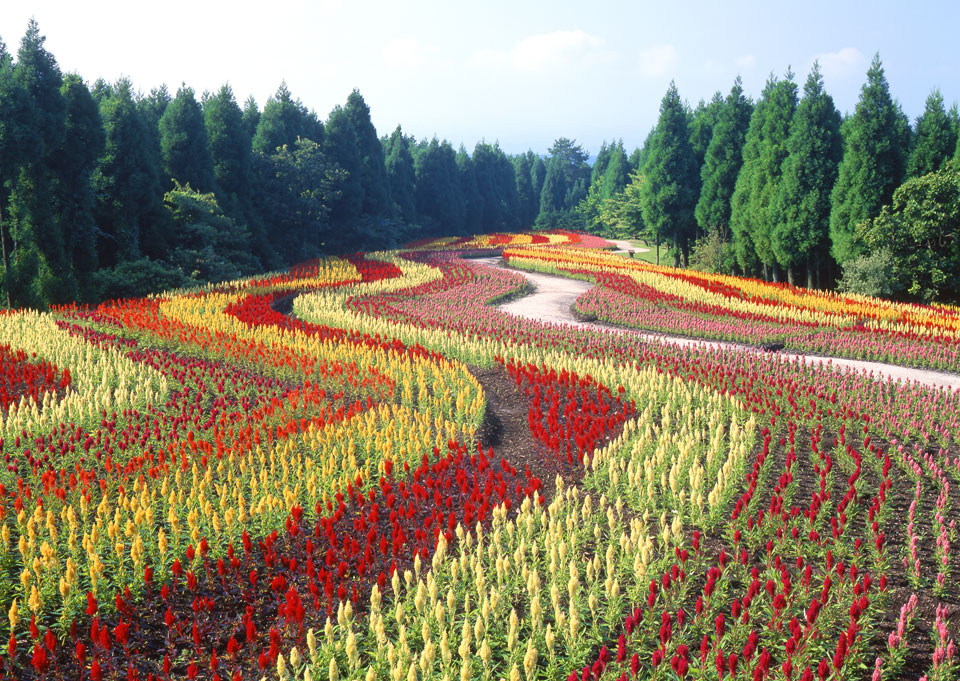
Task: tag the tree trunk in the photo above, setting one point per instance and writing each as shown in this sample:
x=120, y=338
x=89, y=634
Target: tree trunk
x=776, y=272
x=790, y=276
x=809, y=274
x=656, y=241
x=766, y=272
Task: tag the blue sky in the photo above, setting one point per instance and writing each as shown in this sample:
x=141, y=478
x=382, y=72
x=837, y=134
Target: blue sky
x=521, y=73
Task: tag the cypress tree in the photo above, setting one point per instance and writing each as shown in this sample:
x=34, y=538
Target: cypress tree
x=229, y=142
x=283, y=121
x=251, y=118
x=616, y=171
x=815, y=147
x=71, y=166
x=538, y=175
x=671, y=177
x=373, y=172
x=600, y=162
x=701, y=125
x=497, y=186
x=439, y=198
x=722, y=162
x=401, y=175
x=470, y=190
x=873, y=165
x=764, y=149
x=184, y=146
x=935, y=139
x=526, y=199
x=340, y=146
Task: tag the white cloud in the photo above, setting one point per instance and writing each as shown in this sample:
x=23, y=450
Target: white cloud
x=657, y=60
x=403, y=53
x=538, y=52
x=847, y=61
x=746, y=61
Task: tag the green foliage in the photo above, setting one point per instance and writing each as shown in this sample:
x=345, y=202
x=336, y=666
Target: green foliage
x=921, y=228
x=229, y=142
x=497, y=186
x=764, y=150
x=565, y=183
x=138, y=278
x=874, y=160
x=208, y=246
x=401, y=175
x=871, y=274
x=671, y=177
x=935, y=140
x=373, y=173
x=701, y=126
x=801, y=233
x=527, y=198
x=621, y=215
x=470, y=190
x=440, y=203
x=282, y=122
x=721, y=165
x=184, y=145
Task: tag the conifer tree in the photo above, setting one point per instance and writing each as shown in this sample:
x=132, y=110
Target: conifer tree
x=764, y=149
x=229, y=142
x=373, y=172
x=722, y=162
x=935, y=139
x=873, y=165
x=470, y=190
x=672, y=177
x=439, y=198
x=802, y=227
x=282, y=122
x=401, y=175
x=526, y=199
x=184, y=145
x=702, y=122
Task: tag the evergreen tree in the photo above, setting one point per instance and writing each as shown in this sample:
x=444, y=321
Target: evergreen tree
x=152, y=107
x=470, y=189
x=184, y=146
x=373, y=172
x=15, y=148
x=340, y=146
x=526, y=198
x=701, y=126
x=935, y=139
x=251, y=118
x=229, y=142
x=565, y=183
x=498, y=188
x=764, y=149
x=283, y=121
x=538, y=175
x=814, y=149
x=873, y=165
x=71, y=166
x=722, y=162
x=126, y=181
x=671, y=177
x=439, y=198
x=40, y=271
x=401, y=175
x=600, y=162
x=616, y=171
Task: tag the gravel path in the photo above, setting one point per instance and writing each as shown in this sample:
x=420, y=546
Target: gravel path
x=554, y=297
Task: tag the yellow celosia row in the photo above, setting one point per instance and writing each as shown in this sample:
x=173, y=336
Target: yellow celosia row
x=532, y=595
x=801, y=305
x=101, y=378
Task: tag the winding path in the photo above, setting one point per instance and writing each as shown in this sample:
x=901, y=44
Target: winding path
x=554, y=297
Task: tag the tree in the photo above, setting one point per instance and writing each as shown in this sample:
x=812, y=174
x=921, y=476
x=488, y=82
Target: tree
x=229, y=142
x=921, y=228
x=15, y=146
x=251, y=118
x=126, y=184
x=283, y=121
x=722, y=162
x=701, y=126
x=814, y=149
x=671, y=178
x=527, y=199
x=208, y=246
x=498, y=188
x=621, y=215
x=71, y=166
x=401, y=175
x=935, y=139
x=340, y=146
x=470, y=190
x=764, y=149
x=183, y=142
x=39, y=270
x=565, y=183
x=440, y=202
x=373, y=172
x=296, y=185
x=616, y=171
x=873, y=165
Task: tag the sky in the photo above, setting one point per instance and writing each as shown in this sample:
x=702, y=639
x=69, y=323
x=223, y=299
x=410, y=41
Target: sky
x=517, y=72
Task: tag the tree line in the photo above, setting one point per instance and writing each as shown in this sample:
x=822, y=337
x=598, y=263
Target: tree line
x=788, y=189
x=108, y=192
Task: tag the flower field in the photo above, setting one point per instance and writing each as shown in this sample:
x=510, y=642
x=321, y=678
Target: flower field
x=363, y=469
